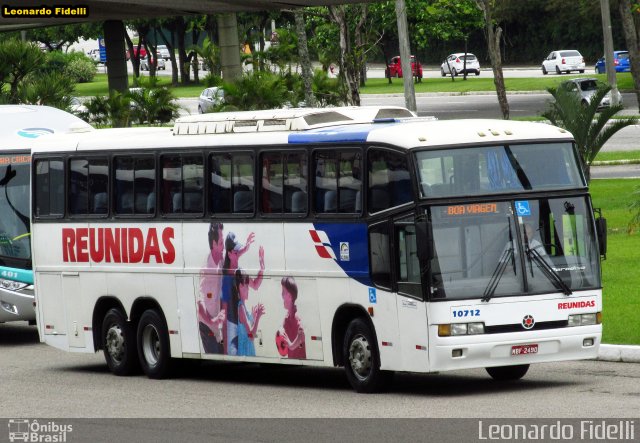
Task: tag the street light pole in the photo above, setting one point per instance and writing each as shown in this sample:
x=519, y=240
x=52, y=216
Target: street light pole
x=405, y=56
x=608, y=50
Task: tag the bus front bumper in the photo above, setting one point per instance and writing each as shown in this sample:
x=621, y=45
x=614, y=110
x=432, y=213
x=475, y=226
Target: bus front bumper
x=464, y=352
x=17, y=305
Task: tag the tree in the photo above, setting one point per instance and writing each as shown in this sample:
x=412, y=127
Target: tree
x=494, y=34
x=590, y=129
x=631, y=26
x=19, y=61
x=59, y=38
x=305, y=61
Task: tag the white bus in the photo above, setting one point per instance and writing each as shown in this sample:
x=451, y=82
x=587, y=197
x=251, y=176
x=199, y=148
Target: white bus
x=20, y=126
x=338, y=237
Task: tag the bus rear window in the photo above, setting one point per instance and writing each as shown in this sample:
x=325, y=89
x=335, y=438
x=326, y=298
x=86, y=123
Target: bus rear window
x=498, y=169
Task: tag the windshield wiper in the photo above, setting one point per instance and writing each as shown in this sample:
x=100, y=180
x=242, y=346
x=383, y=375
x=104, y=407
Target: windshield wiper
x=507, y=255
x=548, y=271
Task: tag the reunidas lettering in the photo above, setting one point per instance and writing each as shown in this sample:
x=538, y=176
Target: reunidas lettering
x=577, y=304
x=117, y=245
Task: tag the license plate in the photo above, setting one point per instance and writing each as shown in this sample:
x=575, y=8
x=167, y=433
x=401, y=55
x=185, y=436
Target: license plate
x=524, y=349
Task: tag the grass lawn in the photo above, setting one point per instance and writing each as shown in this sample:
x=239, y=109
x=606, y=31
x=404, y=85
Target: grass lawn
x=621, y=269
x=99, y=86
x=618, y=155
x=380, y=85
x=473, y=83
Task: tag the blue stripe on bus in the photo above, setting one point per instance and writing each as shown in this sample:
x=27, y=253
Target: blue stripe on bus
x=21, y=275
x=334, y=134
x=350, y=245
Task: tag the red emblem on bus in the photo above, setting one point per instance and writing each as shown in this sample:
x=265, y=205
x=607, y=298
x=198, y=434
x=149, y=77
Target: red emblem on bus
x=528, y=322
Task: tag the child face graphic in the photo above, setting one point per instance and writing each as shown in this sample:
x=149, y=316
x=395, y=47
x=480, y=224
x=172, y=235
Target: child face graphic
x=287, y=299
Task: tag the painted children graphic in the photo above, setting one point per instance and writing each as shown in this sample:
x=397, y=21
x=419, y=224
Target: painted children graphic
x=290, y=339
x=211, y=318
x=247, y=321
x=234, y=250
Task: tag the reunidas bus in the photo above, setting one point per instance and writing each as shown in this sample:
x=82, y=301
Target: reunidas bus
x=355, y=237
x=20, y=126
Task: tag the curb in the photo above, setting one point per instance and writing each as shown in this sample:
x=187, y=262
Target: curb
x=619, y=353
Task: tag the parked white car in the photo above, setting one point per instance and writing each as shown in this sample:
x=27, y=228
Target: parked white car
x=455, y=64
x=565, y=60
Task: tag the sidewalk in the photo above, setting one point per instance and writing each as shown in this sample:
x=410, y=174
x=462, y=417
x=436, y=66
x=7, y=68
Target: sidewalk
x=619, y=353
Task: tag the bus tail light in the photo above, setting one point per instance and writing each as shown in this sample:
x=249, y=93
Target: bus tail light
x=585, y=319
x=448, y=330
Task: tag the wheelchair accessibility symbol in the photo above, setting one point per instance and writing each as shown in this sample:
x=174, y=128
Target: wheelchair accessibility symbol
x=522, y=208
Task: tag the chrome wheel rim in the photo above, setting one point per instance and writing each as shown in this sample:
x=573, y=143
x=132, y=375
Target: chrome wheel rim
x=151, y=345
x=114, y=343
x=360, y=357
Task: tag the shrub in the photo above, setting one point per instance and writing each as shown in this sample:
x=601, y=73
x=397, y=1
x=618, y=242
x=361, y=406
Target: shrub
x=81, y=70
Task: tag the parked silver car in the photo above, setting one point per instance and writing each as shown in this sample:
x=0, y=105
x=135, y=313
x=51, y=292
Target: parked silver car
x=209, y=98
x=585, y=88
x=163, y=52
x=144, y=64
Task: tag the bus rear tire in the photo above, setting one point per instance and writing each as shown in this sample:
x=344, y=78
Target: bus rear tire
x=153, y=345
x=119, y=343
x=362, y=359
x=508, y=373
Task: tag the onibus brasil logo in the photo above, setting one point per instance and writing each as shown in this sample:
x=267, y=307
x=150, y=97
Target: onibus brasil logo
x=38, y=431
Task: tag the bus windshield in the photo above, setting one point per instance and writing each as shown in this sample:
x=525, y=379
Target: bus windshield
x=14, y=207
x=498, y=169
x=484, y=250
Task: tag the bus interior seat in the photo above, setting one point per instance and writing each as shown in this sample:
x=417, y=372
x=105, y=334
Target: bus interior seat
x=331, y=201
x=243, y=201
x=100, y=203
x=176, y=202
x=299, y=201
x=358, y=201
x=141, y=202
x=125, y=204
x=151, y=203
x=348, y=200
x=192, y=202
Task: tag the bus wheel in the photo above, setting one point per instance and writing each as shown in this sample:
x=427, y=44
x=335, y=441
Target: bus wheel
x=362, y=360
x=118, y=343
x=507, y=373
x=153, y=345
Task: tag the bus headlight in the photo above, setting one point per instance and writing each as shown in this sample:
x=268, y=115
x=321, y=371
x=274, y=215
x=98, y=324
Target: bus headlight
x=452, y=329
x=585, y=319
x=12, y=285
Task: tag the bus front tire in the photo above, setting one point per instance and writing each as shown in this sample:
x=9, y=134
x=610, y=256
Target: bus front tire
x=508, y=373
x=362, y=359
x=153, y=345
x=119, y=343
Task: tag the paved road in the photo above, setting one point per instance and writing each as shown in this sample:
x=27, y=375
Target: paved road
x=42, y=381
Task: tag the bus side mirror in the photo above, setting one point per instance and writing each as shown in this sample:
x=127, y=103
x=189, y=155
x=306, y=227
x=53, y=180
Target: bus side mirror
x=425, y=241
x=601, y=233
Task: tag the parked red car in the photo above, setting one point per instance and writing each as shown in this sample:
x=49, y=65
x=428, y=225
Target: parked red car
x=143, y=52
x=395, y=67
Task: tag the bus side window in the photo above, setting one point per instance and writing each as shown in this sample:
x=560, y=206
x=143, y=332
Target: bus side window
x=284, y=183
x=231, y=183
x=49, y=188
x=88, y=186
x=389, y=180
x=338, y=181
x=135, y=185
x=182, y=184
x=379, y=255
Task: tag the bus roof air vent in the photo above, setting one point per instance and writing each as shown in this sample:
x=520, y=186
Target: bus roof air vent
x=285, y=119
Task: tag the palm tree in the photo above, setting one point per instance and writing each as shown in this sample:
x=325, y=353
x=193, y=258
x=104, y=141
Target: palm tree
x=591, y=129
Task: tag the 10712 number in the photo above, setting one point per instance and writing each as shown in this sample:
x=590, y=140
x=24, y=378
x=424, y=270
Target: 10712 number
x=466, y=313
